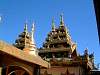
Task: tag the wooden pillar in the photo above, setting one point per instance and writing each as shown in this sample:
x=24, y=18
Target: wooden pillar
x=7, y=68
x=37, y=70
x=0, y=70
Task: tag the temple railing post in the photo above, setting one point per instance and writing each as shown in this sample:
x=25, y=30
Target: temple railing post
x=37, y=70
x=0, y=70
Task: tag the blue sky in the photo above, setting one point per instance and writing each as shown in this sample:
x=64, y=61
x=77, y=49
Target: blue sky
x=79, y=17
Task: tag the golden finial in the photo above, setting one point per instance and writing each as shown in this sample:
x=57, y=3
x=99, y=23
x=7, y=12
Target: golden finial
x=61, y=20
x=25, y=27
x=53, y=24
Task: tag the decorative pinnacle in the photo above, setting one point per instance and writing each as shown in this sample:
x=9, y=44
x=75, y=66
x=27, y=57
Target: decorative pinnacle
x=33, y=50
x=32, y=34
x=53, y=25
x=61, y=20
x=86, y=51
x=33, y=27
x=25, y=27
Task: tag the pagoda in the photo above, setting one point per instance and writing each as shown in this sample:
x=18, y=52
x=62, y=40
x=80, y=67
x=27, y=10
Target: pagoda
x=26, y=42
x=61, y=52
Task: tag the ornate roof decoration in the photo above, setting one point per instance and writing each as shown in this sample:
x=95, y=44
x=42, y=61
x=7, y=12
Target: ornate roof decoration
x=53, y=25
x=61, y=20
x=58, y=37
x=26, y=42
x=23, y=40
x=59, y=49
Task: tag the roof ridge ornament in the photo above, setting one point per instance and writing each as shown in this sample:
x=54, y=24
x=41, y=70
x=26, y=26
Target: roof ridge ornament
x=53, y=24
x=32, y=32
x=25, y=27
x=86, y=51
x=61, y=20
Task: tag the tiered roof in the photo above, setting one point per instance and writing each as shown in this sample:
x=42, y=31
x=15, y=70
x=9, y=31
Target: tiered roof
x=26, y=42
x=59, y=49
x=59, y=38
x=23, y=40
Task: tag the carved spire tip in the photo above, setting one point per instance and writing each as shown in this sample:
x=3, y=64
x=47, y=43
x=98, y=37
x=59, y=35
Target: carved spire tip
x=61, y=20
x=53, y=24
x=25, y=27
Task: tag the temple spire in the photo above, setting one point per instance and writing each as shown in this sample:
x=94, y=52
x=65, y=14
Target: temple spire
x=33, y=50
x=86, y=51
x=24, y=39
x=32, y=34
x=25, y=27
x=53, y=25
x=61, y=20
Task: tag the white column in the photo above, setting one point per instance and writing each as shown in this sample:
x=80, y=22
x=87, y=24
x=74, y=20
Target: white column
x=0, y=70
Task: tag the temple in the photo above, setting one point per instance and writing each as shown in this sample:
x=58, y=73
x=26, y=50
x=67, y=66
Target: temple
x=57, y=56
x=61, y=52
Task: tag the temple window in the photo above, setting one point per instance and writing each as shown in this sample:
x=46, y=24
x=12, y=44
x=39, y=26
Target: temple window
x=65, y=54
x=59, y=54
x=55, y=45
x=49, y=55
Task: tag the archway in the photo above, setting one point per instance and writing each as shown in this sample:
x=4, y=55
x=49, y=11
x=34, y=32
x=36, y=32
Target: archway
x=15, y=70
